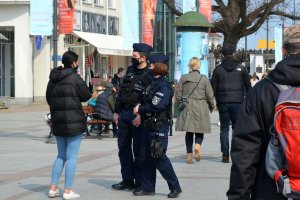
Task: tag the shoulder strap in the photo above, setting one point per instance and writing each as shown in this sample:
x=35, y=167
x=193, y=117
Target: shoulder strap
x=195, y=87
x=279, y=86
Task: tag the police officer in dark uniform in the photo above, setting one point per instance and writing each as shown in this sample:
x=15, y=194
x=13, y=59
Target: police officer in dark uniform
x=156, y=112
x=130, y=131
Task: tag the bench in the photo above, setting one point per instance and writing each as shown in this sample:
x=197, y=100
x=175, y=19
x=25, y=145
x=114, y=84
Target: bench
x=89, y=113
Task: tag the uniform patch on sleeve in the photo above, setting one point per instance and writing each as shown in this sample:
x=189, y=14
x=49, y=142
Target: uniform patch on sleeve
x=160, y=94
x=156, y=100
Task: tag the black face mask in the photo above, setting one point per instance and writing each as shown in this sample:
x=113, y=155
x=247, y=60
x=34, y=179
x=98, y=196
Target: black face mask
x=135, y=61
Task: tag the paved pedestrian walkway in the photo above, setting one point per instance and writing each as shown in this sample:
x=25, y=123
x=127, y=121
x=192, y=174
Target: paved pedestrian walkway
x=26, y=162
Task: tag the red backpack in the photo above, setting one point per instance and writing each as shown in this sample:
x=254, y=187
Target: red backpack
x=283, y=153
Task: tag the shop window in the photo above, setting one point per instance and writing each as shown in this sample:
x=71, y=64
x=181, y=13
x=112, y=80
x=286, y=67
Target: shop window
x=99, y=2
x=113, y=26
x=112, y=4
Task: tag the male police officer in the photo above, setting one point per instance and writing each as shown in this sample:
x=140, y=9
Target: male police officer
x=134, y=82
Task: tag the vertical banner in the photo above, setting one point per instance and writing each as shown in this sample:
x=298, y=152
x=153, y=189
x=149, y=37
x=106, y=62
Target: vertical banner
x=278, y=44
x=148, y=17
x=130, y=22
x=66, y=16
x=41, y=13
x=205, y=7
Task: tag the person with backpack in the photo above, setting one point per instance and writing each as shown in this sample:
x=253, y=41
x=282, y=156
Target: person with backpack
x=229, y=81
x=265, y=142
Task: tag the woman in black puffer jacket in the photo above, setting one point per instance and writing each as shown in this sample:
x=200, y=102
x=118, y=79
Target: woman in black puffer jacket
x=65, y=92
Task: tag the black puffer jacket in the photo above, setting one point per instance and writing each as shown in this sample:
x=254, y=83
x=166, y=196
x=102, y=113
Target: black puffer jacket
x=65, y=92
x=248, y=179
x=229, y=81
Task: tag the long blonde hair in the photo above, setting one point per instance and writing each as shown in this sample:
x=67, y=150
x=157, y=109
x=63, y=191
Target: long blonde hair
x=194, y=64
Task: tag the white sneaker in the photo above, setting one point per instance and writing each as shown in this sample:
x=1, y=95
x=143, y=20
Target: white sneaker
x=53, y=193
x=71, y=195
x=219, y=123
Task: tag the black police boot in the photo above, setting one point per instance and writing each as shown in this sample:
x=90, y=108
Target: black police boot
x=174, y=193
x=141, y=192
x=123, y=185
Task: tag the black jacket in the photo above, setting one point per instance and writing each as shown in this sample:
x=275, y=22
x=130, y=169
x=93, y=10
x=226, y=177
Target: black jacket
x=229, y=81
x=65, y=92
x=102, y=109
x=251, y=135
x=116, y=81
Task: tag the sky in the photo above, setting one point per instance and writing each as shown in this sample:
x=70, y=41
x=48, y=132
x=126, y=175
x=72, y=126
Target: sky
x=262, y=32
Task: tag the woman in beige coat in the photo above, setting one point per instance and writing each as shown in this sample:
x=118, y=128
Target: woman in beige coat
x=195, y=117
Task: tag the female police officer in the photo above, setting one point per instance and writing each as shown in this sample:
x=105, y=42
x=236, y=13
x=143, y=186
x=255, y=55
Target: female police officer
x=156, y=111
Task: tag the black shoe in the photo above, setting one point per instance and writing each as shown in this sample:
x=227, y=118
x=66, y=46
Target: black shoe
x=225, y=158
x=174, y=193
x=141, y=192
x=123, y=185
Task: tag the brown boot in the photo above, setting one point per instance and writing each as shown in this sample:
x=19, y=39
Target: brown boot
x=189, y=158
x=197, y=151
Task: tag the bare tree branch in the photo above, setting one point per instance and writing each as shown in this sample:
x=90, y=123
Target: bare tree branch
x=283, y=14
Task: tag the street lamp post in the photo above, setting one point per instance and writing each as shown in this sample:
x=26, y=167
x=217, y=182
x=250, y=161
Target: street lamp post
x=55, y=39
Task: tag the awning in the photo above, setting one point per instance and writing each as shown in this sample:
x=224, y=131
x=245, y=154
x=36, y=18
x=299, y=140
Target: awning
x=2, y=37
x=105, y=44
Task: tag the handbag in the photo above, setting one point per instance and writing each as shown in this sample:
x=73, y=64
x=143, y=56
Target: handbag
x=184, y=101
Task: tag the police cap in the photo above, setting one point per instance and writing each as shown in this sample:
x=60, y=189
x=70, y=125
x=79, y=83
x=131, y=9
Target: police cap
x=159, y=58
x=142, y=48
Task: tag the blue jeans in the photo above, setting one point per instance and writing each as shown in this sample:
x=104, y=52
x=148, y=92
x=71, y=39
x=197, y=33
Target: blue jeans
x=68, y=148
x=228, y=112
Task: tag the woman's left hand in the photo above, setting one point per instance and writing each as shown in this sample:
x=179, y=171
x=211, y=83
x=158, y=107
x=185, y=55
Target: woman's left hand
x=137, y=121
x=136, y=109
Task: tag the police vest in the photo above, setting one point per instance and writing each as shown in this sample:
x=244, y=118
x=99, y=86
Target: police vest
x=134, y=83
x=155, y=120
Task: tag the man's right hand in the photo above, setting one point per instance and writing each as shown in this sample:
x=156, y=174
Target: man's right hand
x=116, y=118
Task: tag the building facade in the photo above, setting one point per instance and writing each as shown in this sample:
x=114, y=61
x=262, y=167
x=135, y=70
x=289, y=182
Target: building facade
x=25, y=64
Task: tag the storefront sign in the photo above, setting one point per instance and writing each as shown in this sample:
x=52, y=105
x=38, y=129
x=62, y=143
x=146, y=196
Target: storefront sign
x=41, y=22
x=66, y=16
x=149, y=10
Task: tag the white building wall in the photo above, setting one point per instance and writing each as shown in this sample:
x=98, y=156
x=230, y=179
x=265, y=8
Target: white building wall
x=17, y=16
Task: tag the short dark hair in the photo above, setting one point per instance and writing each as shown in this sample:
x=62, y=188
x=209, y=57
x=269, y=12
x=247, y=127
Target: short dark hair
x=160, y=69
x=292, y=48
x=144, y=54
x=120, y=69
x=68, y=58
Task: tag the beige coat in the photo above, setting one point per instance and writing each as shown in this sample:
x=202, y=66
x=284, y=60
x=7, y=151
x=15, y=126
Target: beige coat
x=196, y=116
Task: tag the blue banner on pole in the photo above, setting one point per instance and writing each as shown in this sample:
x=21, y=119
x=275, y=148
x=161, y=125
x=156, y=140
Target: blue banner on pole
x=38, y=42
x=130, y=22
x=41, y=13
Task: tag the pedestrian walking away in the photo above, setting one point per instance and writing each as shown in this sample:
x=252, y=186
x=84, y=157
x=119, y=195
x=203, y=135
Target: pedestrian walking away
x=65, y=92
x=229, y=81
x=252, y=136
x=130, y=131
x=156, y=112
x=195, y=93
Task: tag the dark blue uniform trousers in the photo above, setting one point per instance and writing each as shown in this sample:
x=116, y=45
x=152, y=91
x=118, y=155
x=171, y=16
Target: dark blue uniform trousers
x=163, y=165
x=131, y=137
